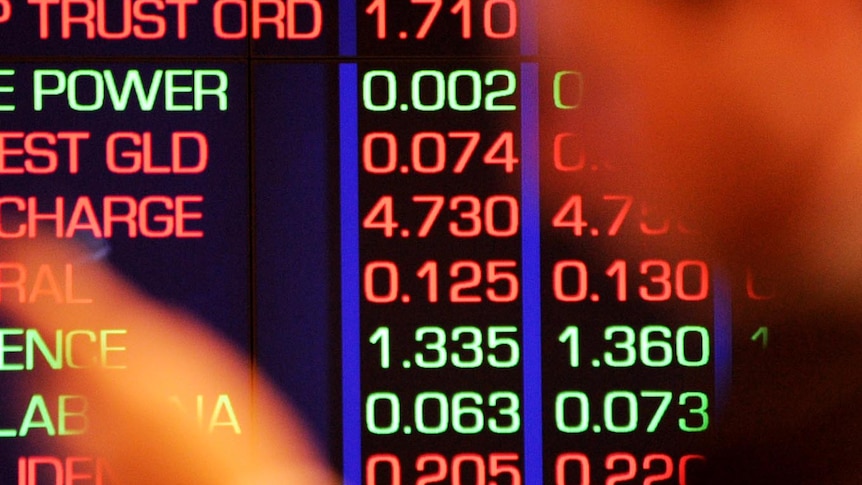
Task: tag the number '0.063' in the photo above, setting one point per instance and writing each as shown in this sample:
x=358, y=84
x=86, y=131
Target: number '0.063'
x=437, y=413
x=432, y=90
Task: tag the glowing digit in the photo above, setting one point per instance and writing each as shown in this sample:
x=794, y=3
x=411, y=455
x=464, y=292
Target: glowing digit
x=511, y=19
x=583, y=463
x=394, y=469
x=429, y=19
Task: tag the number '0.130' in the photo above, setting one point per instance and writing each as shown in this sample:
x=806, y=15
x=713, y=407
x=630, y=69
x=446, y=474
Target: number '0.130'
x=432, y=90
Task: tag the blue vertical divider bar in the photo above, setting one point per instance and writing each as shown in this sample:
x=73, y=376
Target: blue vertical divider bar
x=531, y=274
x=529, y=27
x=347, y=28
x=723, y=330
x=349, y=192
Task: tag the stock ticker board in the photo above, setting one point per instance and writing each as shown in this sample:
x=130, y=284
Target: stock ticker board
x=356, y=194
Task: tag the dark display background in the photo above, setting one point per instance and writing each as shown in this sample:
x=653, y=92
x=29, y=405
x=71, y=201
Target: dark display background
x=267, y=274
x=267, y=191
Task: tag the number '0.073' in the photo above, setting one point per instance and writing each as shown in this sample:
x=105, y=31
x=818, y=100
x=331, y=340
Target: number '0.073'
x=621, y=411
x=432, y=90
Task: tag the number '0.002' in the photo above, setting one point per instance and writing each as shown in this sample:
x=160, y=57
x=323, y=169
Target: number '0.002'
x=432, y=90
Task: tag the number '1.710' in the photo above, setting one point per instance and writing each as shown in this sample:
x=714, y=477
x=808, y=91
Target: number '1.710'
x=491, y=10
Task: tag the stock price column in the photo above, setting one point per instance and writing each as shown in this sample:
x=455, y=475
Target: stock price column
x=437, y=273
x=630, y=314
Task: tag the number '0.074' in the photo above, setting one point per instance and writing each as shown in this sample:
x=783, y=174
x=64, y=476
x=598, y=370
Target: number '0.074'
x=380, y=152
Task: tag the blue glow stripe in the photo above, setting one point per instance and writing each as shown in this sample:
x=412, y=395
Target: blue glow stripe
x=531, y=274
x=350, y=392
x=347, y=28
x=528, y=23
x=723, y=331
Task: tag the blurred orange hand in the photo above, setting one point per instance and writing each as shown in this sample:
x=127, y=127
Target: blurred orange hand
x=142, y=436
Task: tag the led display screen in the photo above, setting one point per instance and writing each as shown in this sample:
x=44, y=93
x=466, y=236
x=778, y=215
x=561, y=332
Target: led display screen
x=389, y=207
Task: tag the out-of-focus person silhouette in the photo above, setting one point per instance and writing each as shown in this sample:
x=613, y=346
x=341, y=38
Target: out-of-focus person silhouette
x=139, y=436
x=745, y=116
